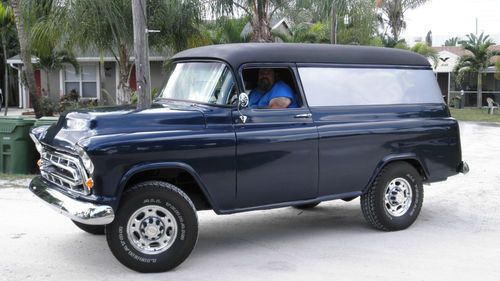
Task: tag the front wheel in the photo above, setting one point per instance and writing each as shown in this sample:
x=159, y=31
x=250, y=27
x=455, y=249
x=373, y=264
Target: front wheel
x=394, y=200
x=155, y=228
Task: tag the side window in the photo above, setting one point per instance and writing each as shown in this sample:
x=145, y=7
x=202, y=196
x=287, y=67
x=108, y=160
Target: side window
x=283, y=84
x=362, y=86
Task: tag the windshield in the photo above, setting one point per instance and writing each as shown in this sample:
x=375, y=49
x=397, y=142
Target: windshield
x=205, y=82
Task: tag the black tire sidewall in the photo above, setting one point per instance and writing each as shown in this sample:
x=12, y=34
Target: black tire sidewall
x=414, y=179
x=92, y=229
x=187, y=231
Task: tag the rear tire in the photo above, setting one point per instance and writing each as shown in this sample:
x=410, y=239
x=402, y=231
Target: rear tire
x=92, y=229
x=395, y=198
x=155, y=228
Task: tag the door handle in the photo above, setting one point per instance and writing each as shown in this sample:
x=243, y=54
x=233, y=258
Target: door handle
x=305, y=115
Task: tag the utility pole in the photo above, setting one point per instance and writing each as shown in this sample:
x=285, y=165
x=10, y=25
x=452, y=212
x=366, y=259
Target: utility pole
x=476, y=26
x=141, y=53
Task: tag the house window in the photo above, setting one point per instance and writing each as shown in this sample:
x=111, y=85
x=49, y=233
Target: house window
x=84, y=82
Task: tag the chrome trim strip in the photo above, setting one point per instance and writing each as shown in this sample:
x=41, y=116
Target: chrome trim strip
x=84, y=212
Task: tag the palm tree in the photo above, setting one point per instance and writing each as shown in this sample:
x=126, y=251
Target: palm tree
x=393, y=13
x=360, y=14
x=107, y=26
x=426, y=51
x=224, y=30
x=23, y=35
x=260, y=13
x=7, y=24
x=453, y=41
x=477, y=61
x=56, y=60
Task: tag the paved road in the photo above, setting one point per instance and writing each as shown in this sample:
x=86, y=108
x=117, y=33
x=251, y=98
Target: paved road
x=457, y=237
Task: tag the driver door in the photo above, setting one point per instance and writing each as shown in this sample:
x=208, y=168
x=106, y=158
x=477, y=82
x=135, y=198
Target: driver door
x=276, y=155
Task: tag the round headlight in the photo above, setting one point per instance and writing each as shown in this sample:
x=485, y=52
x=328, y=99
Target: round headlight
x=87, y=163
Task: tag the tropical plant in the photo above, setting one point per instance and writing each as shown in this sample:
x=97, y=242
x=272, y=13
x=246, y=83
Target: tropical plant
x=347, y=21
x=260, y=13
x=453, y=41
x=7, y=25
x=23, y=25
x=393, y=12
x=318, y=32
x=477, y=61
x=224, y=30
x=107, y=26
x=178, y=22
x=56, y=60
x=426, y=51
x=497, y=68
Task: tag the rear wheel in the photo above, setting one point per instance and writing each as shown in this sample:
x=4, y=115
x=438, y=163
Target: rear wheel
x=92, y=229
x=395, y=198
x=155, y=228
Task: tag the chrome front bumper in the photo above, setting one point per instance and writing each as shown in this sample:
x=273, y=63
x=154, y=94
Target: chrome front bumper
x=84, y=212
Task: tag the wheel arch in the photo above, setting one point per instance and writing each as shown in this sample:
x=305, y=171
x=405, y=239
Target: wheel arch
x=197, y=192
x=409, y=158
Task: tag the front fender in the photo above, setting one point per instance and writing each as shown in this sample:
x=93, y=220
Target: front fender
x=142, y=167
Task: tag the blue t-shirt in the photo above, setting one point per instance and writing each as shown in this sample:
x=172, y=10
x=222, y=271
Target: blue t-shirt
x=279, y=90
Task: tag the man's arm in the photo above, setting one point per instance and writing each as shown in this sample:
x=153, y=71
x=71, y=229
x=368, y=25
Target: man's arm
x=280, y=102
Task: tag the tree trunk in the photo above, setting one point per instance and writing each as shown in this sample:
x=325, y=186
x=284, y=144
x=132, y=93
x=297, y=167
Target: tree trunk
x=124, y=68
x=333, y=32
x=6, y=82
x=141, y=52
x=260, y=23
x=47, y=72
x=479, y=89
x=29, y=73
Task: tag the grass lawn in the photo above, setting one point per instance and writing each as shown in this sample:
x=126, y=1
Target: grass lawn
x=474, y=114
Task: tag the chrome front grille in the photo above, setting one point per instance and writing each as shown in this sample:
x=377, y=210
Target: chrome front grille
x=64, y=170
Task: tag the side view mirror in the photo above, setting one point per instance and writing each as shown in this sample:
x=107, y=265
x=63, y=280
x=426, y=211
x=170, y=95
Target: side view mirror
x=242, y=103
x=243, y=100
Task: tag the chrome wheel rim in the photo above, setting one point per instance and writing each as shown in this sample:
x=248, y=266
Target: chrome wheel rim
x=398, y=197
x=152, y=229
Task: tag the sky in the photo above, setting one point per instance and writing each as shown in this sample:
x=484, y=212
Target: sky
x=450, y=18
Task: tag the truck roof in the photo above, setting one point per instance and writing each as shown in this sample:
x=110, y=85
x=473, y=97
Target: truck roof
x=238, y=54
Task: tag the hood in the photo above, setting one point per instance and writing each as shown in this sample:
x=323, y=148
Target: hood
x=76, y=126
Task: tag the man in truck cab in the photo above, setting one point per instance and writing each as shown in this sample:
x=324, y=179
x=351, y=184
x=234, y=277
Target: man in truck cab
x=271, y=93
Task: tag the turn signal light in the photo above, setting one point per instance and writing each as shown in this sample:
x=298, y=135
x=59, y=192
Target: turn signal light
x=89, y=183
x=39, y=162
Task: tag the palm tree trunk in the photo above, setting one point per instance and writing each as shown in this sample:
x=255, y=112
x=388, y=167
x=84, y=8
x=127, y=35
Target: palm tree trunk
x=479, y=89
x=333, y=32
x=124, y=68
x=47, y=72
x=26, y=58
x=6, y=82
x=260, y=23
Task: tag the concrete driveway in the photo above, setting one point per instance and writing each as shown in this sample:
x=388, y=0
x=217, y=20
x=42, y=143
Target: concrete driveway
x=456, y=237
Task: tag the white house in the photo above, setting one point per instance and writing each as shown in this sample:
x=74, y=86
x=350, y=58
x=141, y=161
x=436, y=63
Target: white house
x=95, y=74
x=448, y=59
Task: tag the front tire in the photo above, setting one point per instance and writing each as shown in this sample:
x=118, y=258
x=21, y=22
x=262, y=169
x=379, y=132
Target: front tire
x=395, y=198
x=155, y=228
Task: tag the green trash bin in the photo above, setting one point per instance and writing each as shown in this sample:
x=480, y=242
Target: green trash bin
x=17, y=151
x=45, y=121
